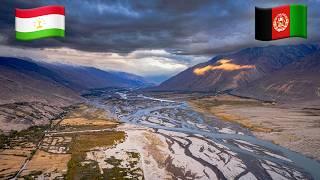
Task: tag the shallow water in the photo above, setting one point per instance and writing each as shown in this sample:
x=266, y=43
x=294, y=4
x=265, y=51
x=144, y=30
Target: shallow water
x=174, y=116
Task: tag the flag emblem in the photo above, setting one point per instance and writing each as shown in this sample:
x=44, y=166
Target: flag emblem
x=281, y=22
x=38, y=24
x=41, y=22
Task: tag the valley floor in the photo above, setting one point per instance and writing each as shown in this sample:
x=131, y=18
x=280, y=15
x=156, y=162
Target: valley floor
x=296, y=128
x=124, y=134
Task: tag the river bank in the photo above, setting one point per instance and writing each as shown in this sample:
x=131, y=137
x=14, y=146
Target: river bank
x=295, y=128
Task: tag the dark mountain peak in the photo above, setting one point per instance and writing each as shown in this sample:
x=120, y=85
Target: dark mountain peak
x=274, y=48
x=18, y=64
x=31, y=68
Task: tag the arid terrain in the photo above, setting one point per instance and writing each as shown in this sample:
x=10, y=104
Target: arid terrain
x=294, y=127
x=56, y=150
x=126, y=134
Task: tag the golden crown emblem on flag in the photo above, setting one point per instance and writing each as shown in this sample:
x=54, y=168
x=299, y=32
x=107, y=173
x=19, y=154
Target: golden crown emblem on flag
x=280, y=22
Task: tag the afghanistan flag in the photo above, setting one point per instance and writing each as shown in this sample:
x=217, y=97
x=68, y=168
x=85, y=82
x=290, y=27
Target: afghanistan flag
x=42, y=22
x=281, y=22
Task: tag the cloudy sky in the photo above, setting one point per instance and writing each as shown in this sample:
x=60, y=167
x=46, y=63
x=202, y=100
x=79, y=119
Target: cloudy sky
x=153, y=38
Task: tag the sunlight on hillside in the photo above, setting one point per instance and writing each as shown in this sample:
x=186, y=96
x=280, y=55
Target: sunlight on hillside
x=223, y=64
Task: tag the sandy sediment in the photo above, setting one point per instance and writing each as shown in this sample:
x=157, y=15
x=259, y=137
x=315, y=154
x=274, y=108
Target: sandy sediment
x=295, y=128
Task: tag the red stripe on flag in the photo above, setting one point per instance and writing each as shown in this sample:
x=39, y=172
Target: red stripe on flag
x=40, y=11
x=280, y=22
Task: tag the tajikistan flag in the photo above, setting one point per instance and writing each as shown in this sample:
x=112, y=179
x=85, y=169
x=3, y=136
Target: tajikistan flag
x=46, y=21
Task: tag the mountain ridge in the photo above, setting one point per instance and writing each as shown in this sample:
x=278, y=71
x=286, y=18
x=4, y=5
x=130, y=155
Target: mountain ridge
x=28, y=80
x=238, y=70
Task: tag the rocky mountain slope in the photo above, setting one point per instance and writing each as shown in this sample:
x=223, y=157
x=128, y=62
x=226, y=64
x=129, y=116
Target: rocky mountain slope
x=262, y=72
x=32, y=93
x=26, y=81
x=297, y=81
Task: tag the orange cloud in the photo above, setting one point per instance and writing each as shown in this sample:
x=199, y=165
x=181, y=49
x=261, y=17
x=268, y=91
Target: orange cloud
x=223, y=64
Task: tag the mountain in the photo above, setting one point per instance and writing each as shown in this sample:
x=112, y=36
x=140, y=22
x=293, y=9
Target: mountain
x=33, y=93
x=261, y=72
x=135, y=80
x=82, y=78
x=26, y=81
x=298, y=81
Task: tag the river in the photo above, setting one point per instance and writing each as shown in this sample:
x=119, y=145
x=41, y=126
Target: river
x=226, y=149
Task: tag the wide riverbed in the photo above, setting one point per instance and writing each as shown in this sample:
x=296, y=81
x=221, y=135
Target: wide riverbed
x=220, y=150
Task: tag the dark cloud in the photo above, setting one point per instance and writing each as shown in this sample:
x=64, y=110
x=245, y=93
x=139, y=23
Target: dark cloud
x=193, y=27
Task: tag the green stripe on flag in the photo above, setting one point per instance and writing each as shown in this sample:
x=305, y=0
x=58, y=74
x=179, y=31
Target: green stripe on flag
x=27, y=36
x=298, y=20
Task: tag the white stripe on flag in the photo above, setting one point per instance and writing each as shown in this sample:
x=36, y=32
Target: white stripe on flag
x=40, y=23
